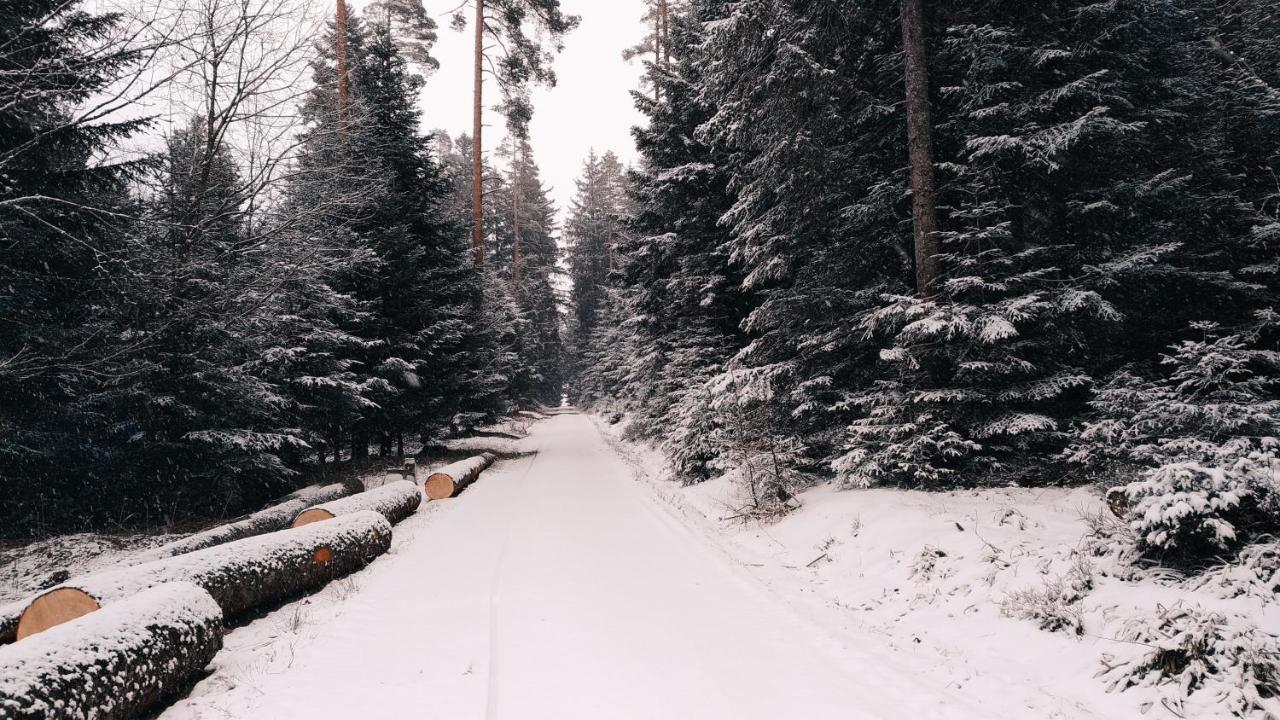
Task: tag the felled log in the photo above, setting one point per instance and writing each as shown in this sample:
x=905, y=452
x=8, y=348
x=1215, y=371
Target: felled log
x=394, y=501
x=276, y=517
x=241, y=575
x=114, y=663
x=453, y=479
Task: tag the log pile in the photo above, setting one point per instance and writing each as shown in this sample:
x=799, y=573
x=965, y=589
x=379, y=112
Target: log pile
x=453, y=479
x=115, y=663
x=276, y=517
x=395, y=501
x=241, y=575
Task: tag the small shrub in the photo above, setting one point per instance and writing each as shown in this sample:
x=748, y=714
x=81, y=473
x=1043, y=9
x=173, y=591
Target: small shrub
x=1188, y=650
x=1189, y=510
x=926, y=563
x=1057, y=605
x=1254, y=573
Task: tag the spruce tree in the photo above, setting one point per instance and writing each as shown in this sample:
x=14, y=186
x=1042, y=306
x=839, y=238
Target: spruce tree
x=64, y=234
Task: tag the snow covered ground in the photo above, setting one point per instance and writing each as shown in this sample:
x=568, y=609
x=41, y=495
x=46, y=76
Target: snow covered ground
x=558, y=587
x=577, y=583
x=31, y=567
x=942, y=579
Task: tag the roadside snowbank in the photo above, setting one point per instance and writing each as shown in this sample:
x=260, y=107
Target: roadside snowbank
x=996, y=588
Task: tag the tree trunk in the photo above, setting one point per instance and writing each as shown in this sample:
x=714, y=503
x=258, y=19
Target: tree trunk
x=344, y=86
x=516, y=183
x=477, y=150
x=360, y=442
x=657, y=54
x=393, y=501
x=924, y=193
x=119, y=663
x=664, y=39
x=453, y=479
x=246, y=574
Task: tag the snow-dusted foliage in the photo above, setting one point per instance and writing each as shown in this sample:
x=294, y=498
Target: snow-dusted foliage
x=1183, y=650
x=183, y=333
x=116, y=662
x=1055, y=605
x=1189, y=510
x=1204, y=436
x=1086, y=215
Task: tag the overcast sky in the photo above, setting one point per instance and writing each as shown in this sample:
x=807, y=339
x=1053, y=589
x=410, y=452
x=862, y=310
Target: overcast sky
x=590, y=107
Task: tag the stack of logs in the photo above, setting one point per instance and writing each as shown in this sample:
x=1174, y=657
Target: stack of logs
x=115, y=643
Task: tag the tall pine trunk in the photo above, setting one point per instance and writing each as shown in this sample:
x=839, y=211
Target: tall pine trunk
x=924, y=191
x=344, y=85
x=657, y=52
x=664, y=38
x=516, y=184
x=477, y=150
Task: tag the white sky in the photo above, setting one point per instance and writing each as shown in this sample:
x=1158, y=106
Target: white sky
x=590, y=107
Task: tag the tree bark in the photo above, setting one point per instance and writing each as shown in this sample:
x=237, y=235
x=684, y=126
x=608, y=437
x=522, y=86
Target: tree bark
x=453, y=479
x=517, y=182
x=924, y=193
x=117, y=662
x=393, y=501
x=477, y=150
x=664, y=12
x=344, y=84
x=271, y=519
x=657, y=53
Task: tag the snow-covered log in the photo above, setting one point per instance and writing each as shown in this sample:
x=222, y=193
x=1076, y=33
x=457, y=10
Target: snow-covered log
x=271, y=519
x=114, y=663
x=395, y=501
x=240, y=575
x=276, y=517
x=453, y=479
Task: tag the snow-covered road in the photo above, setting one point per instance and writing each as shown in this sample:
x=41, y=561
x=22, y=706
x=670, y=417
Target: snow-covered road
x=556, y=587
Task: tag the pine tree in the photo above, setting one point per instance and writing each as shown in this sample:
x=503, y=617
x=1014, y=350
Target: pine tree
x=522, y=59
x=675, y=283
x=592, y=232
x=420, y=288
x=529, y=259
x=815, y=153
x=64, y=234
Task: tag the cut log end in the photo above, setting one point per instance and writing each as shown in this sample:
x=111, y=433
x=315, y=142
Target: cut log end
x=314, y=515
x=322, y=556
x=440, y=487
x=55, y=608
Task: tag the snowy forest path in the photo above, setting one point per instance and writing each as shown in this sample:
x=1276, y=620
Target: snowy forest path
x=556, y=587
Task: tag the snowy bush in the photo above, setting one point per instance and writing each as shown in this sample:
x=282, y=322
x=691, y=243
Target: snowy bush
x=1191, y=511
x=1055, y=606
x=1185, y=650
x=896, y=441
x=1204, y=438
x=695, y=440
x=768, y=463
x=1254, y=573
